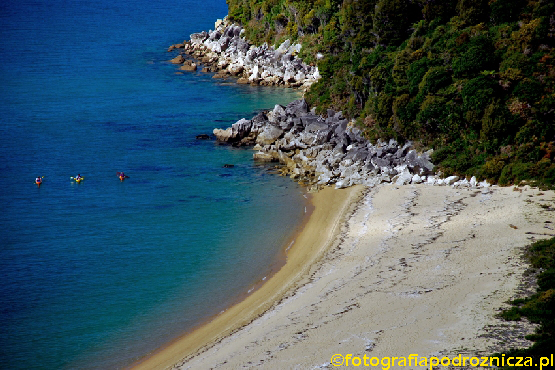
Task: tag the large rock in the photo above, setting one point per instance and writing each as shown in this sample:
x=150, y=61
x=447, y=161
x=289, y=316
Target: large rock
x=198, y=38
x=263, y=157
x=450, y=180
x=297, y=107
x=419, y=164
x=313, y=149
x=269, y=135
x=403, y=178
x=189, y=67
x=238, y=131
x=178, y=59
x=317, y=125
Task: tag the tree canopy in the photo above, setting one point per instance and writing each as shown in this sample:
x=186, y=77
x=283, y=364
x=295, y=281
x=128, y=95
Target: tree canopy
x=473, y=79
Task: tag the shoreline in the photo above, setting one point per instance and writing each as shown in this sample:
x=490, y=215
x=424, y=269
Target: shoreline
x=330, y=210
x=414, y=269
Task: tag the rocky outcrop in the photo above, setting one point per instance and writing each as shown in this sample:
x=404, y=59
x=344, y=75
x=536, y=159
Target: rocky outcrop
x=223, y=50
x=320, y=151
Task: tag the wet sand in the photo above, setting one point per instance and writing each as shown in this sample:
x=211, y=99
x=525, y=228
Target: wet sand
x=331, y=208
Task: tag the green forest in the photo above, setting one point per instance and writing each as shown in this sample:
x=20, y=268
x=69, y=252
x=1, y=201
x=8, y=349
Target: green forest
x=472, y=79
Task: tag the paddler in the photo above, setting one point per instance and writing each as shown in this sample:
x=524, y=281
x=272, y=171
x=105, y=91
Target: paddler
x=38, y=180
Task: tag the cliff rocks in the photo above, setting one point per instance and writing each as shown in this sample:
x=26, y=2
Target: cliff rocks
x=224, y=51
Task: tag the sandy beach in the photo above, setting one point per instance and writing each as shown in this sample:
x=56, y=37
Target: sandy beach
x=389, y=271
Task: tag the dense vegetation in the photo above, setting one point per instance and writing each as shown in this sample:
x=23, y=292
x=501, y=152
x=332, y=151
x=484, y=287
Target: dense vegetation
x=539, y=308
x=473, y=79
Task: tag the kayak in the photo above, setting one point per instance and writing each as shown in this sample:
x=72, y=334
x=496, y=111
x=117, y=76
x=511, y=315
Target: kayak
x=122, y=176
x=38, y=182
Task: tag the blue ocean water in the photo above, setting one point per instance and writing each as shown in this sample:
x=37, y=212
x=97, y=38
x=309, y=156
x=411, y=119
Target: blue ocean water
x=97, y=274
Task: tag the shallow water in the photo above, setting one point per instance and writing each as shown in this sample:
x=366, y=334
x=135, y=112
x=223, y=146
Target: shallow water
x=99, y=273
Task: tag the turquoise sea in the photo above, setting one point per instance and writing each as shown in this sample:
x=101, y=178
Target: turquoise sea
x=97, y=274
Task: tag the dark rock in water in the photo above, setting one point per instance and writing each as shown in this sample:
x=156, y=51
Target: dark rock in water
x=229, y=165
x=178, y=59
x=202, y=137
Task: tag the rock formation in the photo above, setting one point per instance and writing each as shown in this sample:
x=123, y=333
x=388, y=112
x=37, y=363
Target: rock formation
x=313, y=150
x=321, y=151
x=224, y=51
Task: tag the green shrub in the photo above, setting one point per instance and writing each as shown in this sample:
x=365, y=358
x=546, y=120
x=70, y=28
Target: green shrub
x=514, y=173
x=415, y=73
x=529, y=90
x=479, y=56
x=477, y=93
x=432, y=113
x=474, y=79
x=492, y=169
x=435, y=79
x=503, y=11
x=392, y=20
x=539, y=308
x=473, y=11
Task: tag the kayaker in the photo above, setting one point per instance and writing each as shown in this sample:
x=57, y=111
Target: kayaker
x=78, y=177
x=38, y=180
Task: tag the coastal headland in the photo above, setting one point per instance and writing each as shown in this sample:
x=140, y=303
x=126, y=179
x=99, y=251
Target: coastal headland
x=388, y=266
